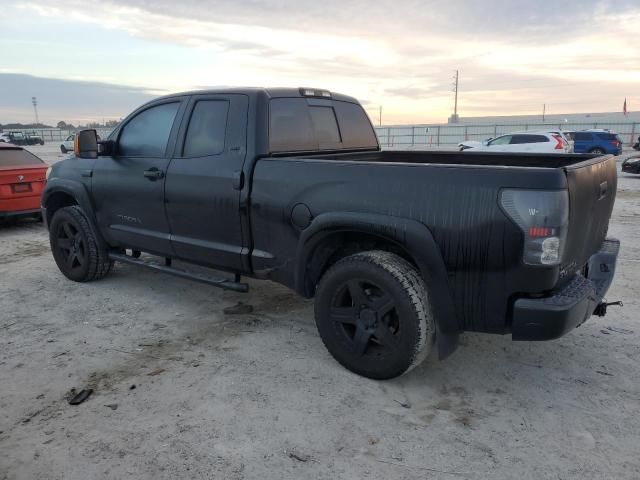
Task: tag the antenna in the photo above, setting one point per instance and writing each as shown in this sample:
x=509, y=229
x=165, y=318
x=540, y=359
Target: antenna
x=34, y=101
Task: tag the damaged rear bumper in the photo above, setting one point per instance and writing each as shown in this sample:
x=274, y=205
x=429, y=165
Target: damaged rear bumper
x=551, y=317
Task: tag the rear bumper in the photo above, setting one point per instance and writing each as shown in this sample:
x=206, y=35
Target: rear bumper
x=551, y=317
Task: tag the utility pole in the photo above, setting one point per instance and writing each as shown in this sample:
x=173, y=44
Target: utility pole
x=454, y=118
x=544, y=110
x=34, y=101
x=455, y=89
x=380, y=117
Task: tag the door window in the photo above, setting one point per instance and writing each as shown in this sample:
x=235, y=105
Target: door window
x=520, y=139
x=504, y=140
x=582, y=137
x=147, y=134
x=207, y=129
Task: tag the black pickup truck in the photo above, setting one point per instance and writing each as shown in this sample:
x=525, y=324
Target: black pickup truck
x=402, y=251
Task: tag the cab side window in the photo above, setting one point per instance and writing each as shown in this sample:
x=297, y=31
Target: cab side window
x=147, y=134
x=207, y=129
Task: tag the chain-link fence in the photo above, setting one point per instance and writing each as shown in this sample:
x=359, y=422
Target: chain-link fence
x=56, y=134
x=399, y=136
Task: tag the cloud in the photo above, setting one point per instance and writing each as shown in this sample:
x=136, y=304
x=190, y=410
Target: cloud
x=398, y=53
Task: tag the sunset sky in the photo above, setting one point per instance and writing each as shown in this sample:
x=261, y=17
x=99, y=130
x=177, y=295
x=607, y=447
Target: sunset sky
x=94, y=60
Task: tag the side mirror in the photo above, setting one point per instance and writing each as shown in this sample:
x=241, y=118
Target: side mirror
x=486, y=142
x=85, y=144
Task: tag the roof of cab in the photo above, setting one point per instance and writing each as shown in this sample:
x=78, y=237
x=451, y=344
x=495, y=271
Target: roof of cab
x=280, y=92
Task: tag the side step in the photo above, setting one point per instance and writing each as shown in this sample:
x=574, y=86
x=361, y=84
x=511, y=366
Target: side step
x=220, y=282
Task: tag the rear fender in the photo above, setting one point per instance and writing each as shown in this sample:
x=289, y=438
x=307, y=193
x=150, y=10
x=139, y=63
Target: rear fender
x=412, y=236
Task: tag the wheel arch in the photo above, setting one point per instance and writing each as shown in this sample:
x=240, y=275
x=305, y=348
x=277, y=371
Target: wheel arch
x=332, y=236
x=64, y=193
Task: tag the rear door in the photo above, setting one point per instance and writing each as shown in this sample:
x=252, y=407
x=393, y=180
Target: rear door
x=204, y=181
x=128, y=188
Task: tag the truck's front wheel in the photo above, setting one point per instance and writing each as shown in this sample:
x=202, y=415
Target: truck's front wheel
x=75, y=247
x=373, y=314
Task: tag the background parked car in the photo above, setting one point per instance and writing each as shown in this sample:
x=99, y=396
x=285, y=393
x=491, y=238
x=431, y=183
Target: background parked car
x=34, y=139
x=527, y=142
x=631, y=165
x=22, y=179
x=596, y=141
x=67, y=144
x=19, y=138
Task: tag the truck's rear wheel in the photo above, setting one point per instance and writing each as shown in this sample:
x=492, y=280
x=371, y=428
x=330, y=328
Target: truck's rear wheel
x=75, y=247
x=373, y=314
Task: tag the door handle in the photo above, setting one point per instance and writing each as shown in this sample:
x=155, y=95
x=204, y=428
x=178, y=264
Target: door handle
x=153, y=174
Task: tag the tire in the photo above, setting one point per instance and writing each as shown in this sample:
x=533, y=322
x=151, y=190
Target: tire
x=63, y=149
x=373, y=314
x=597, y=151
x=75, y=247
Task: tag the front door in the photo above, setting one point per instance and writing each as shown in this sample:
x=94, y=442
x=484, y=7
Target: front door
x=128, y=188
x=204, y=181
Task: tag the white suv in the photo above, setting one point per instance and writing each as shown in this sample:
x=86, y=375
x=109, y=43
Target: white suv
x=521, y=142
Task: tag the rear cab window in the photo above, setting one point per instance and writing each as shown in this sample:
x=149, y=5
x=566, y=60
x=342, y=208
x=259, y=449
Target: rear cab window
x=308, y=124
x=17, y=157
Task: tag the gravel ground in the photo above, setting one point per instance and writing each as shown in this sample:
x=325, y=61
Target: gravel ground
x=182, y=390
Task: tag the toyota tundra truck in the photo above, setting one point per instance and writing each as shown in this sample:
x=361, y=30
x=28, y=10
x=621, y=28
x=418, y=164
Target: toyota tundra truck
x=402, y=251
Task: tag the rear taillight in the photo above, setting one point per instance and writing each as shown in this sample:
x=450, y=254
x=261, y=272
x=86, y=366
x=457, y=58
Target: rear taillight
x=560, y=144
x=543, y=217
x=615, y=143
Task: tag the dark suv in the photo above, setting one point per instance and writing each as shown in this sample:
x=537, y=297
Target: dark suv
x=598, y=142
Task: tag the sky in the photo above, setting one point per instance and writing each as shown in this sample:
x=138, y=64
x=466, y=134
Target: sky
x=94, y=60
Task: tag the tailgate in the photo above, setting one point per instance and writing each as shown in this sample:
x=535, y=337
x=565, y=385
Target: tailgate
x=592, y=192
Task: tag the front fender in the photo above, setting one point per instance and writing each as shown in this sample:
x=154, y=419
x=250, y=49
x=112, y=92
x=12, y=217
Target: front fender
x=414, y=237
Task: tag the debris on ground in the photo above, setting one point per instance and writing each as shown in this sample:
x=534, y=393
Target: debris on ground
x=238, y=309
x=157, y=371
x=299, y=457
x=81, y=396
x=112, y=406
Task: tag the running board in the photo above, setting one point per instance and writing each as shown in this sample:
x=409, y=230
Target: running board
x=220, y=282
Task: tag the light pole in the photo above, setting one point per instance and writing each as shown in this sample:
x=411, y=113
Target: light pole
x=34, y=101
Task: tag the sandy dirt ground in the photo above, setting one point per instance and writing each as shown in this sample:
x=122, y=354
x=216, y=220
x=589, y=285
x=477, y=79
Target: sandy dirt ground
x=182, y=390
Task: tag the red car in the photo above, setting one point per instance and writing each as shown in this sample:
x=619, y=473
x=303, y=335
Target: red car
x=22, y=179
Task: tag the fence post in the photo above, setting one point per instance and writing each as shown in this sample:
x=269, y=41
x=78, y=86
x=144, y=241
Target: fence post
x=633, y=133
x=495, y=130
x=413, y=135
x=466, y=133
x=438, y=138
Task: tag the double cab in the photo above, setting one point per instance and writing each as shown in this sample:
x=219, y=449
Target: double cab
x=402, y=251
